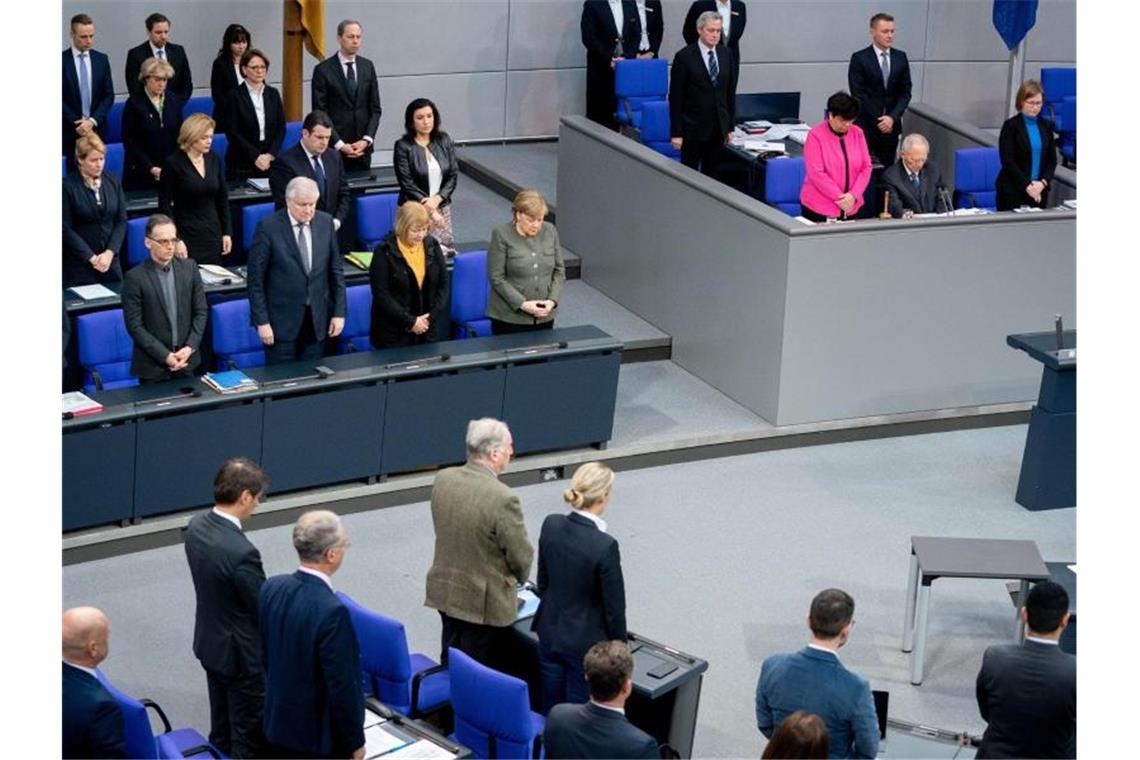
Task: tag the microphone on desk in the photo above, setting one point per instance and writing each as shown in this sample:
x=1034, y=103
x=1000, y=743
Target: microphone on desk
x=1060, y=331
x=183, y=393
x=944, y=196
x=415, y=363
x=535, y=349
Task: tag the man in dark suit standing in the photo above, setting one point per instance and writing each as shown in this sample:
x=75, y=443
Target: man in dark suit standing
x=314, y=705
x=227, y=574
x=345, y=87
x=637, y=26
x=311, y=158
x=92, y=720
x=599, y=728
x=915, y=186
x=295, y=277
x=164, y=306
x=733, y=14
x=879, y=75
x=1027, y=692
x=158, y=46
x=88, y=92
x=700, y=103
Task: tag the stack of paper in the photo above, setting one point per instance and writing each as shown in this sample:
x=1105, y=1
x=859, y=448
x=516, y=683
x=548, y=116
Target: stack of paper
x=80, y=403
x=212, y=274
x=361, y=259
x=258, y=183
x=92, y=292
x=234, y=381
x=759, y=145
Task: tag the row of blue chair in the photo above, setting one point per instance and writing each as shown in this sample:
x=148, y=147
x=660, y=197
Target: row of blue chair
x=198, y=104
x=636, y=83
x=1060, y=85
x=142, y=743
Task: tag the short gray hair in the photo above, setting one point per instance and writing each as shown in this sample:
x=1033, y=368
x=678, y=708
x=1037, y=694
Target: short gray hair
x=484, y=435
x=914, y=138
x=315, y=533
x=704, y=19
x=347, y=23
x=301, y=187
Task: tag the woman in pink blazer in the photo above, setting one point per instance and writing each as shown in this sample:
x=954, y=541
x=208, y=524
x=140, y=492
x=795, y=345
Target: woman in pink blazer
x=837, y=166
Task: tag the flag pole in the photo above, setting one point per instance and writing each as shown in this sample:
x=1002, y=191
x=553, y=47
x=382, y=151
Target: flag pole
x=1015, y=77
x=292, y=52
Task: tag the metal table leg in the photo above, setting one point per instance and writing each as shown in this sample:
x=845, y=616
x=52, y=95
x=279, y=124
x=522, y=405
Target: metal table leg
x=920, y=633
x=911, y=600
x=1019, y=625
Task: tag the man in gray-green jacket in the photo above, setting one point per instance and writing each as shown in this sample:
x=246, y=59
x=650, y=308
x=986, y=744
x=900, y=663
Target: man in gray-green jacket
x=481, y=548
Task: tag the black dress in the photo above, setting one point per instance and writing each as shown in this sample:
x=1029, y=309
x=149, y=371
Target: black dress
x=397, y=300
x=200, y=206
x=90, y=228
x=1017, y=162
x=223, y=81
x=148, y=138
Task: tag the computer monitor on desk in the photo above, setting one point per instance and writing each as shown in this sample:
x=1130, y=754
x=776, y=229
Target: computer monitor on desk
x=767, y=106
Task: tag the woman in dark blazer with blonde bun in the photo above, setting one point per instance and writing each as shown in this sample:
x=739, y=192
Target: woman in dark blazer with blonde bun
x=1028, y=152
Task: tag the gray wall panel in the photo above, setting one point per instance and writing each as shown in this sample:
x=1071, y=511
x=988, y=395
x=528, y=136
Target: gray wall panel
x=546, y=34
x=470, y=105
x=964, y=31
x=1054, y=37
x=977, y=90
x=535, y=95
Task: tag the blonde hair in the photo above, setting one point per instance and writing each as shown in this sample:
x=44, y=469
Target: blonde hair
x=411, y=214
x=1027, y=90
x=89, y=143
x=531, y=203
x=194, y=128
x=591, y=483
x=155, y=67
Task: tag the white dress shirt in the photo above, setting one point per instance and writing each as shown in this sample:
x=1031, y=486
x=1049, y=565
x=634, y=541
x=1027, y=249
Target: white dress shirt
x=879, y=57
x=80, y=64
x=596, y=520
x=344, y=61
x=705, y=57
x=619, y=19
x=307, y=231
x=725, y=10
x=226, y=516
x=643, y=46
x=318, y=574
x=435, y=174
x=84, y=668
x=257, y=97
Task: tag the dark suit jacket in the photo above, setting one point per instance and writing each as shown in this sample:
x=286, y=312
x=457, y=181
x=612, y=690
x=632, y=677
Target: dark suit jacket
x=581, y=586
x=1017, y=161
x=1027, y=694
x=182, y=84
x=865, y=81
x=102, y=97
x=590, y=731
x=90, y=228
x=412, y=168
x=148, y=138
x=699, y=110
x=599, y=31
x=223, y=81
x=92, y=720
x=227, y=574
x=314, y=703
x=242, y=131
x=148, y=322
x=817, y=682
x=352, y=118
x=294, y=162
x=278, y=285
x=735, y=31
x=397, y=300
x=896, y=180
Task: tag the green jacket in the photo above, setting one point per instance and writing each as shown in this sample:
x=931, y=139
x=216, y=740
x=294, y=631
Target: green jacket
x=481, y=547
x=523, y=269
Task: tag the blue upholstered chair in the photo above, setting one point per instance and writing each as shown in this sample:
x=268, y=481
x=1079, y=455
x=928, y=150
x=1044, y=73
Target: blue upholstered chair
x=783, y=179
x=469, y=288
x=114, y=161
x=1058, y=83
x=654, y=128
x=218, y=146
x=142, y=743
x=64, y=159
x=115, y=122
x=1068, y=133
x=198, y=104
x=375, y=217
x=637, y=82
x=292, y=135
x=136, y=241
x=411, y=684
x=236, y=343
x=250, y=216
x=492, y=711
x=357, y=326
x=975, y=170
x=104, y=350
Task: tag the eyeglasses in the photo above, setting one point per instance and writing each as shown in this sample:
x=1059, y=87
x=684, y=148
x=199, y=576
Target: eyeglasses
x=258, y=68
x=165, y=242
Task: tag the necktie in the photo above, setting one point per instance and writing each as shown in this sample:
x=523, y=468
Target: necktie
x=714, y=69
x=84, y=86
x=303, y=245
x=351, y=78
x=915, y=183
x=320, y=172
x=162, y=54
x=886, y=68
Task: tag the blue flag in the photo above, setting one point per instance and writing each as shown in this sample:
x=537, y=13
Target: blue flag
x=1013, y=19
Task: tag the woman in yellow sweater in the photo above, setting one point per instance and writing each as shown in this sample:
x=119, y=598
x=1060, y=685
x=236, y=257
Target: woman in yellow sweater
x=409, y=283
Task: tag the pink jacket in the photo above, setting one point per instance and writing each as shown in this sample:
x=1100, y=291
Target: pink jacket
x=823, y=169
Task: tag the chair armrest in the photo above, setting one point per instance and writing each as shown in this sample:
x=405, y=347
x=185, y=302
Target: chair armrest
x=628, y=110
x=668, y=752
x=152, y=705
x=97, y=379
x=419, y=678
x=537, y=747
x=209, y=749
x=230, y=364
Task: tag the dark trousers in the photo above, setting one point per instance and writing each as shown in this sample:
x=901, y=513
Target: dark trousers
x=488, y=645
x=883, y=148
x=563, y=678
x=508, y=328
x=364, y=163
x=236, y=705
x=305, y=347
x=703, y=153
x=814, y=216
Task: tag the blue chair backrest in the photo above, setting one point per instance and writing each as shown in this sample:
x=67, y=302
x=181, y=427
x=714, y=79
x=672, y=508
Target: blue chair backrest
x=469, y=289
x=136, y=723
x=655, y=128
x=637, y=82
x=375, y=217
x=489, y=703
x=198, y=104
x=384, y=658
x=105, y=346
x=136, y=241
x=64, y=159
x=235, y=339
x=1068, y=115
x=250, y=216
x=115, y=122
x=1057, y=82
x=292, y=135
x=783, y=179
x=115, y=159
x=358, y=324
x=975, y=170
x=218, y=146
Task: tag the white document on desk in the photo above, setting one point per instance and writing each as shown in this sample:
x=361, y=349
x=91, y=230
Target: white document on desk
x=92, y=292
x=758, y=145
x=786, y=131
x=420, y=750
x=212, y=274
x=378, y=741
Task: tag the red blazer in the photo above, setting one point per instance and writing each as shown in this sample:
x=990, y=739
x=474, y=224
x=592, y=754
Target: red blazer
x=823, y=169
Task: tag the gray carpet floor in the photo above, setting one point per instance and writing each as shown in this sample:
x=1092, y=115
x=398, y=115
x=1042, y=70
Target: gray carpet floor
x=532, y=164
x=721, y=559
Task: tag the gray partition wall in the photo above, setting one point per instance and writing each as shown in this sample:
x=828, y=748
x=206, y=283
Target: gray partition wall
x=511, y=68
x=807, y=323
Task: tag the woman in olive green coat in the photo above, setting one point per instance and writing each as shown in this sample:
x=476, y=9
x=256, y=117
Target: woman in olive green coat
x=524, y=266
